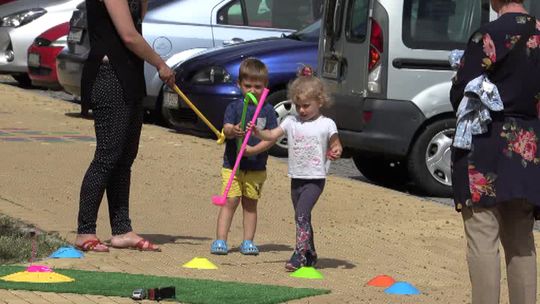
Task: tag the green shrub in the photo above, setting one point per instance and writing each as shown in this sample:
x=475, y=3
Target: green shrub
x=17, y=241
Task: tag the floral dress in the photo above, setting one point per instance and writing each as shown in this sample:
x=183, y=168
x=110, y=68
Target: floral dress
x=503, y=164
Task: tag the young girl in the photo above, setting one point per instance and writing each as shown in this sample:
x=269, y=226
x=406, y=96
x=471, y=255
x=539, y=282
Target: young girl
x=312, y=140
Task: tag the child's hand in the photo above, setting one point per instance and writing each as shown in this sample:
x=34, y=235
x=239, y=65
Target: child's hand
x=253, y=128
x=334, y=153
x=237, y=131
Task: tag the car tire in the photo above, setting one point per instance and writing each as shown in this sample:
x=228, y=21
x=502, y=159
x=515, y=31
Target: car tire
x=283, y=108
x=429, y=160
x=381, y=170
x=23, y=80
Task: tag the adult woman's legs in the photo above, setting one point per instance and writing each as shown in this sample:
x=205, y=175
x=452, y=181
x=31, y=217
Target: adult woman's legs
x=517, y=239
x=512, y=223
x=119, y=183
x=112, y=122
x=483, y=257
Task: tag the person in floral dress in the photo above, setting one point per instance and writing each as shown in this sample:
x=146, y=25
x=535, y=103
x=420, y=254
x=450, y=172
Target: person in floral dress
x=497, y=179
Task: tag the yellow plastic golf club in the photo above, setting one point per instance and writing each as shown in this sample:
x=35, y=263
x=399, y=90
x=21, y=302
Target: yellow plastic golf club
x=220, y=135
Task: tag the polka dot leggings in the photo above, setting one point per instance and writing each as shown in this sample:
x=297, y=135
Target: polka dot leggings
x=118, y=128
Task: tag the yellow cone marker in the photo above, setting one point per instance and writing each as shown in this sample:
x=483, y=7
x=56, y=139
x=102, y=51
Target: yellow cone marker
x=307, y=273
x=200, y=263
x=37, y=277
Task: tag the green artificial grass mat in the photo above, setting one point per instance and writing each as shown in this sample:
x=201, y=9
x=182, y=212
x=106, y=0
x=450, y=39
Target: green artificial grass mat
x=187, y=290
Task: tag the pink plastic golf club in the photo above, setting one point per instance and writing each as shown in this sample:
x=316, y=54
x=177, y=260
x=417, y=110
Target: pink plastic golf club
x=220, y=200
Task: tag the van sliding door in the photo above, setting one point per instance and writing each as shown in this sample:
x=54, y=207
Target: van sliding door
x=344, y=58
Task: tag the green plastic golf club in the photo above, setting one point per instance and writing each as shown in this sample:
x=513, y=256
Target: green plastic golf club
x=252, y=98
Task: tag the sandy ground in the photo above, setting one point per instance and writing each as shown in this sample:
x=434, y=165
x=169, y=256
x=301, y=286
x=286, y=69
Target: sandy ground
x=361, y=230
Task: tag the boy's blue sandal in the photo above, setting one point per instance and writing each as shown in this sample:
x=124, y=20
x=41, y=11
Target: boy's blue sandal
x=219, y=247
x=248, y=248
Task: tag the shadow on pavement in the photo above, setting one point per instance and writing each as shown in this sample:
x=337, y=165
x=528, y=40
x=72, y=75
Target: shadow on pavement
x=161, y=239
x=263, y=248
x=274, y=248
x=79, y=115
x=324, y=263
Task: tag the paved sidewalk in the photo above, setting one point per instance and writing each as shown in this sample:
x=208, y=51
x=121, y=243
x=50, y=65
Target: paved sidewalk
x=35, y=297
x=361, y=230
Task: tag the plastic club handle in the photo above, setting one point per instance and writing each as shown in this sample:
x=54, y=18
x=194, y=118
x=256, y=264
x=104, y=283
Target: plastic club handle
x=249, y=96
x=244, y=143
x=242, y=124
x=194, y=108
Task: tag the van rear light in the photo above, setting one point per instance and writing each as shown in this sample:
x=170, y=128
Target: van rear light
x=374, y=58
x=376, y=44
x=374, y=80
x=366, y=116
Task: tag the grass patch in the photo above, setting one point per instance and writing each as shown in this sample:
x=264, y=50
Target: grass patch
x=16, y=241
x=187, y=290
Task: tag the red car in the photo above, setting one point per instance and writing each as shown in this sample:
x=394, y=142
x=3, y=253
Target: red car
x=42, y=56
x=5, y=1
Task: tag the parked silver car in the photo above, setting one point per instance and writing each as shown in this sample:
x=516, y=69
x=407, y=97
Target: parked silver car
x=70, y=61
x=178, y=29
x=386, y=63
x=20, y=23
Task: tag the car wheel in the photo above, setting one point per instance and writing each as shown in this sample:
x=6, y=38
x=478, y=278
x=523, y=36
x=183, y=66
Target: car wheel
x=23, y=80
x=167, y=118
x=429, y=160
x=283, y=108
x=163, y=114
x=381, y=170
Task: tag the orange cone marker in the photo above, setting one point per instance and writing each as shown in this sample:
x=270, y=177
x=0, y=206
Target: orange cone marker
x=381, y=281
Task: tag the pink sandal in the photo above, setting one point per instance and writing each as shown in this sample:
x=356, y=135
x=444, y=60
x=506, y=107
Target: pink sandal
x=93, y=245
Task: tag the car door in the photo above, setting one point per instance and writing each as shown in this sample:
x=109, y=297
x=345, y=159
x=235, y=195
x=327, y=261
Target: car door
x=344, y=60
x=241, y=20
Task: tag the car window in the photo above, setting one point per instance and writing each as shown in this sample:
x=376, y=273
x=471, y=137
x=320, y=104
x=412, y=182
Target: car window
x=287, y=14
x=309, y=34
x=231, y=14
x=259, y=13
x=358, y=13
x=442, y=24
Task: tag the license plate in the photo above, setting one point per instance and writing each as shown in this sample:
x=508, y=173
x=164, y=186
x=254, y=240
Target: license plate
x=33, y=60
x=170, y=100
x=75, y=35
x=330, y=68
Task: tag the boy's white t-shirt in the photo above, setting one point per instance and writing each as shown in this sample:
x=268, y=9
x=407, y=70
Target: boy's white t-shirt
x=308, y=144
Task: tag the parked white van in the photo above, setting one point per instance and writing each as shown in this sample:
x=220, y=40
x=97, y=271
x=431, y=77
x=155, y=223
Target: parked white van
x=386, y=64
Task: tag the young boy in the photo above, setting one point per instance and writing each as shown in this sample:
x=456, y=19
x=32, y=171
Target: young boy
x=251, y=174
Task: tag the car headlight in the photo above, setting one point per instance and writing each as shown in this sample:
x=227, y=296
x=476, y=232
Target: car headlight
x=60, y=42
x=212, y=75
x=21, y=18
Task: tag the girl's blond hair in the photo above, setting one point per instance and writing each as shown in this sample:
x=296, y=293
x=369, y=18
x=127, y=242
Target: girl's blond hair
x=308, y=87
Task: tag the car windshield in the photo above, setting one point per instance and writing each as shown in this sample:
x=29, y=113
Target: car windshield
x=310, y=33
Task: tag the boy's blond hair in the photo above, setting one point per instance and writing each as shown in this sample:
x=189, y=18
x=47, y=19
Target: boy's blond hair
x=309, y=87
x=254, y=69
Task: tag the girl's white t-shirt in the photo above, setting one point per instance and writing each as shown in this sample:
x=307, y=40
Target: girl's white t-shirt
x=308, y=144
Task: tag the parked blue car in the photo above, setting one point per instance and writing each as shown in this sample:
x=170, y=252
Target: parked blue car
x=210, y=78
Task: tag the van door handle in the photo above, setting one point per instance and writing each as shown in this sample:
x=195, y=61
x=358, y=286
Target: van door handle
x=233, y=41
x=362, y=93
